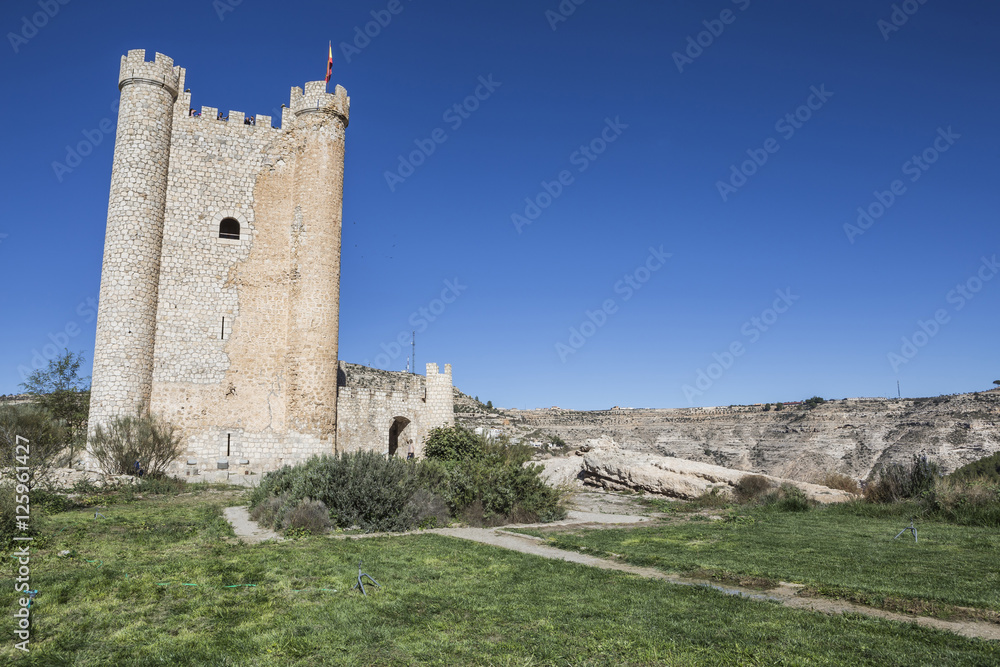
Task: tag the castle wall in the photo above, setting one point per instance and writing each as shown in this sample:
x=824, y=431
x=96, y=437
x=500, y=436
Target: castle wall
x=371, y=400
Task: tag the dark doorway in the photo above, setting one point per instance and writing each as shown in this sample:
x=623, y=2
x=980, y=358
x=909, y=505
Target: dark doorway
x=398, y=434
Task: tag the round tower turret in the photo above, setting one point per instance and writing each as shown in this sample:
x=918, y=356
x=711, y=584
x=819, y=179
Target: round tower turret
x=320, y=121
x=126, y=319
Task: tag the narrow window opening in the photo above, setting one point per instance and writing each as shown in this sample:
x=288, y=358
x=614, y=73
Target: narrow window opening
x=229, y=441
x=222, y=336
x=229, y=228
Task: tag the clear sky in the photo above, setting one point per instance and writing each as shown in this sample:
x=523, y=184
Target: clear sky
x=634, y=203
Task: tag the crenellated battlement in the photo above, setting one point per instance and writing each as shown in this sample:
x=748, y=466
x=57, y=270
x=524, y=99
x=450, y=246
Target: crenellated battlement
x=160, y=72
x=315, y=99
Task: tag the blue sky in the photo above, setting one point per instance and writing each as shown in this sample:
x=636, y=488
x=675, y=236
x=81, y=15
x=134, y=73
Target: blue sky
x=737, y=137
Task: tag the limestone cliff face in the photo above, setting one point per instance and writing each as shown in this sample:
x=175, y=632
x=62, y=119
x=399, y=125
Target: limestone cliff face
x=852, y=437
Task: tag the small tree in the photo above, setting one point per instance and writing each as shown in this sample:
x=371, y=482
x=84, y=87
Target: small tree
x=59, y=389
x=45, y=436
x=996, y=382
x=144, y=438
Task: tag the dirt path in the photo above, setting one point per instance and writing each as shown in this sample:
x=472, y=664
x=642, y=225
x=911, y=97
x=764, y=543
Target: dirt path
x=246, y=528
x=785, y=594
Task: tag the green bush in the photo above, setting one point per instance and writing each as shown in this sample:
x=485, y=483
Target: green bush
x=968, y=502
x=453, y=443
x=789, y=498
x=987, y=467
x=899, y=481
x=310, y=516
x=363, y=489
x=46, y=440
x=143, y=437
x=751, y=488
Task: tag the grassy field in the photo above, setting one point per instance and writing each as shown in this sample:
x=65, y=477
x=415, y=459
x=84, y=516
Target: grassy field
x=124, y=596
x=832, y=551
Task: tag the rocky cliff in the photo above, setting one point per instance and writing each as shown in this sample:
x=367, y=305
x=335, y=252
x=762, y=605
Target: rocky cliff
x=850, y=436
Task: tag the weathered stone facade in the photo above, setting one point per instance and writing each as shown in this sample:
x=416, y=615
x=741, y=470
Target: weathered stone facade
x=219, y=305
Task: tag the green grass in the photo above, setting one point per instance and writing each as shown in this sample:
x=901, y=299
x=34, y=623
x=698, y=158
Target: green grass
x=833, y=551
x=444, y=601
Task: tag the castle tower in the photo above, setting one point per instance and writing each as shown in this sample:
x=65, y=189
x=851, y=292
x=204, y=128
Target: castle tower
x=439, y=399
x=319, y=120
x=126, y=319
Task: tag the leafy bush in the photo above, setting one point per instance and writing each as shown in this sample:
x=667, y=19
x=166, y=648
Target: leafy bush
x=364, y=489
x=46, y=441
x=713, y=498
x=898, y=481
x=143, y=437
x=452, y=443
x=789, y=498
x=430, y=510
x=751, y=488
x=987, y=467
x=974, y=502
x=840, y=482
x=308, y=515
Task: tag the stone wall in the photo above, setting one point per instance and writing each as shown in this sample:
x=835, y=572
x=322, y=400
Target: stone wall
x=371, y=400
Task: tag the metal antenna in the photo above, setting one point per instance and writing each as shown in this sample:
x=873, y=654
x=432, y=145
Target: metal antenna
x=413, y=356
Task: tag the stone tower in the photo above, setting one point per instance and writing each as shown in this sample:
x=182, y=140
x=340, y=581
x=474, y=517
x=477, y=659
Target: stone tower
x=220, y=289
x=126, y=319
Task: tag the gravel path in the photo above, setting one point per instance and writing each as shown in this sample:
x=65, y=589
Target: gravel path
x=246, y=528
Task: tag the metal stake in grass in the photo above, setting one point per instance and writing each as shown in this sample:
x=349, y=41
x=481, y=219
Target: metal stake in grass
x=361, y=584
x=911, y=529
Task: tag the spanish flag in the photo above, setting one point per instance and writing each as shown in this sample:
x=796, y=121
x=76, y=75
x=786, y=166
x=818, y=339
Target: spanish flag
x=329, y=64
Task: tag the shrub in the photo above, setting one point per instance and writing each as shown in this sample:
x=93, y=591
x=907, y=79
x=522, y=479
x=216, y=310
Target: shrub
x=143, y=437
x=835, y=480
x=713, y=498
x=789, y=498
x=500, y=483
x=453, y=443
x=309, y=515
x=987, y=467
x=751, y=488
x=974, y=502
x=898, y=481
x=364, y=489
x=429, y=509
x=46, y=441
